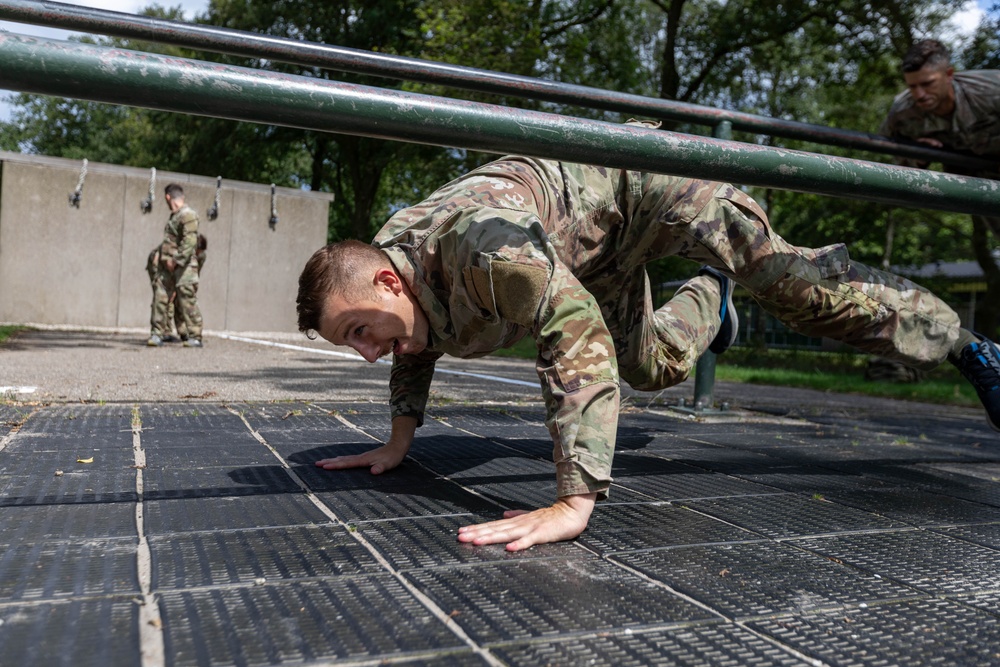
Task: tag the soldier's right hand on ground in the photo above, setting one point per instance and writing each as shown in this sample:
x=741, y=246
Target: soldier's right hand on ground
x=383, y=458
x=519, y=529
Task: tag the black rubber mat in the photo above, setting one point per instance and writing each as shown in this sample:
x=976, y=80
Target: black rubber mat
x=170, y=483
x=21, y=524
x=155, y=439
x=987, y=535
x=437, y=498
x=73, y=633
x=188, y=417
x=40, y=441
x=919, y=508
x=80, y=420
x=930, y=562
x=77, y=484
x=762, y=578
x=615, y=528
x=287, y=438
x=245, y=556
x=550, y=596
x=357, y=618
x=661, y=479
x=540, y=493
x=224, y=454
x=12, y=417
x=53, y=570
x=791, y=515
x=802, y=478
x=433, y=542
x=706, y=644
x=231, y=512
x=504, y=466
x=452, y=446
x=919, y=632
x=987, y=601
x=405, y=476
x=80, y=460
x=722, y=543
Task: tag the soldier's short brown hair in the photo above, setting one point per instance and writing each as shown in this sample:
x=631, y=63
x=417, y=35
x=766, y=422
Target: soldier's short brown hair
x=174, y=191
x=926, y=52
x=345, y=268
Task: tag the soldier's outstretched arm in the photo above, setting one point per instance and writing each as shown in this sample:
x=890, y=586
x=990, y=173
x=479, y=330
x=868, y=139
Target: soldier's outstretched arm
x=383, y=458
x=520, y=529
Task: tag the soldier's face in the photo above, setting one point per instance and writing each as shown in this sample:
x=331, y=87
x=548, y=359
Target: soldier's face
x=931, y=89
x=390, y=322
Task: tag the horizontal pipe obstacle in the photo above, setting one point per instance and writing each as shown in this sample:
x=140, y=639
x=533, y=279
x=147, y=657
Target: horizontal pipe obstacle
x=313, y=54
x=120, y=76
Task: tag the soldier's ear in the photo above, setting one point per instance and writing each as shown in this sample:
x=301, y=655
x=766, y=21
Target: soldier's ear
x=386, y=280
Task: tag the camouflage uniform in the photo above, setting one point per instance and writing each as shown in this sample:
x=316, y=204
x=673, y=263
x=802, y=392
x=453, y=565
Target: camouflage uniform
x=973, y=127
x=555, y=251
x=180, y=242
x=163, y=306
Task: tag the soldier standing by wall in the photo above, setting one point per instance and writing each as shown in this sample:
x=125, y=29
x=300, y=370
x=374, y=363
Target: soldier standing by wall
x=179, y=271
x=164, y=312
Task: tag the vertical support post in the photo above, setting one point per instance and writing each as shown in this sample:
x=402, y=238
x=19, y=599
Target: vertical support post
x=704, y=372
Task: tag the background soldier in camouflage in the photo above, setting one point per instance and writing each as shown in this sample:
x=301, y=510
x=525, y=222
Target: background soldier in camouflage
x=179, y=271
x=959, y=111
x=165, y=317
x=525, y=247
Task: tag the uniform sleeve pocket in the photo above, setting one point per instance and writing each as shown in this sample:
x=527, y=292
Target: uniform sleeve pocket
x=830, y=261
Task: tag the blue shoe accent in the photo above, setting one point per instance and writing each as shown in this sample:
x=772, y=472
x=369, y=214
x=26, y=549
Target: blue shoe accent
x=730, y=326
x=980, y=364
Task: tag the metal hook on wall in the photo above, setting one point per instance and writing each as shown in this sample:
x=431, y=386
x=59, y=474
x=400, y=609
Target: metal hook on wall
x=213, y=211
x=273, y=222
x=146, y=205
x=77, y=195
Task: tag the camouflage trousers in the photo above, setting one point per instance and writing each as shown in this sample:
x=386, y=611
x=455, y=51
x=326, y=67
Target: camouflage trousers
x=164, y=318
x=816, y=292
x=182, y=309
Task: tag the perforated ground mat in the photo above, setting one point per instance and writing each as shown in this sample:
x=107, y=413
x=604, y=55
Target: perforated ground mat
x=202, y=534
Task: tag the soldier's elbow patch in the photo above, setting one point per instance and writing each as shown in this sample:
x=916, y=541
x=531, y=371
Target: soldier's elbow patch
x=518, y=288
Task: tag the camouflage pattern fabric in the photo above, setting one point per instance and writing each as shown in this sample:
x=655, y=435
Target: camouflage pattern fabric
x=974, y=127
x=163, y=311
x=180, y=242
x=524, y=247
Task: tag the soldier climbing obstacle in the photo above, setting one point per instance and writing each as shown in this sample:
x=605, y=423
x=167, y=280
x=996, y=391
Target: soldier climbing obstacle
x=555, y=251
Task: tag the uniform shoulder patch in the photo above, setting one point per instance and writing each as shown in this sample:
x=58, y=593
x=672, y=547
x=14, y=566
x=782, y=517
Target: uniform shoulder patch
x=518, y=288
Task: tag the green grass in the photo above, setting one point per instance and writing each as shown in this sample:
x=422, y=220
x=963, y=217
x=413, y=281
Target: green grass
x=945, y=390
x=6, y=332
x=841, y=372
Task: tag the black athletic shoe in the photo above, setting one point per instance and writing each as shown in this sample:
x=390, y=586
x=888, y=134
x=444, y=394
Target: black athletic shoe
x=170, y=338
x=730, y=321
x=980, y=364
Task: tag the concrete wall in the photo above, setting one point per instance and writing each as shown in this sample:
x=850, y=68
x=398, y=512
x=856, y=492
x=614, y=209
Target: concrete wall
x=67, y=266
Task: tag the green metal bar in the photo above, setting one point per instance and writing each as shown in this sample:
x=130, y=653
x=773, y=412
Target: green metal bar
x=313, y=54
x=119, y=76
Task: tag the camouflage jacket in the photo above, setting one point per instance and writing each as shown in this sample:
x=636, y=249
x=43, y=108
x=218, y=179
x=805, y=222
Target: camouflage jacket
x=495, y=256
x=180, y=238
x=973, y=127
